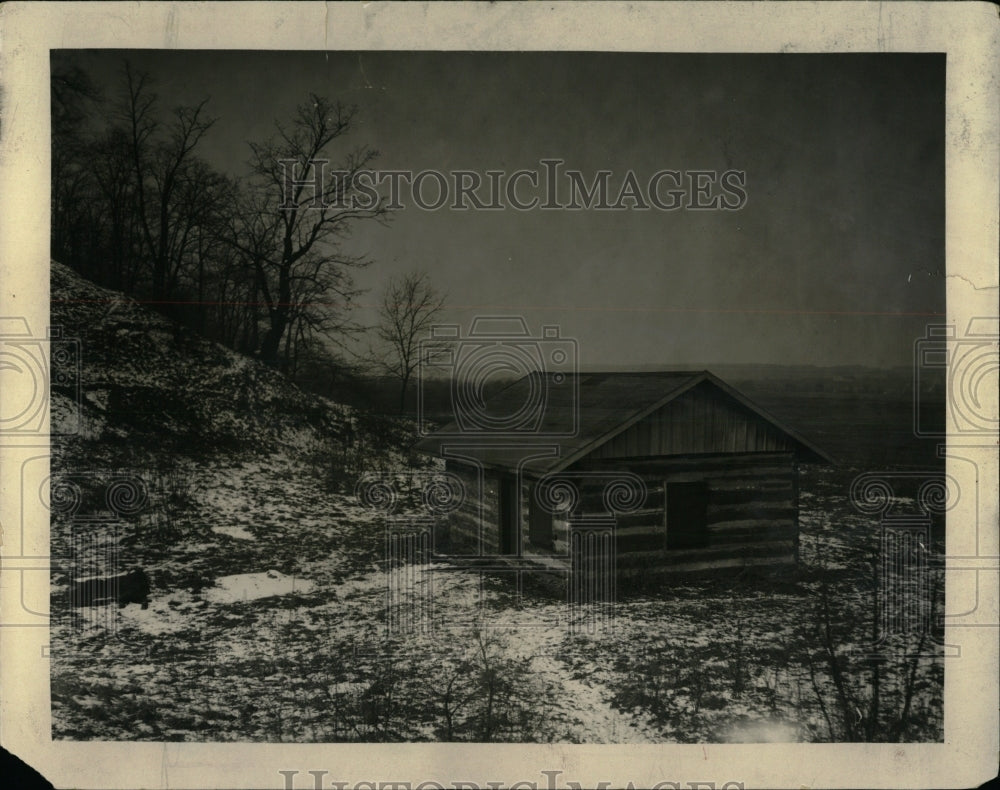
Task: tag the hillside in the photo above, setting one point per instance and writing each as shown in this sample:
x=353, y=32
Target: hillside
x=277, y=613
x=234, y=490
x=146, y=377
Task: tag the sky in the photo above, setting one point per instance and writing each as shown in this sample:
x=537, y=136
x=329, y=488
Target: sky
x=836, y=258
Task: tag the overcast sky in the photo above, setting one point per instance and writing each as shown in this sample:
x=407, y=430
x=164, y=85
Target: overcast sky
x=836, y=258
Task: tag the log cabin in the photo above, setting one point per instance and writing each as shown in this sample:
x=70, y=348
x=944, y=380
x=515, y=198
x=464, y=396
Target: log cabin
x=660, y=472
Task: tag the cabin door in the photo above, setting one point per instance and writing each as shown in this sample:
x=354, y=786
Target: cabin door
x=687, y=515
x=539, y=523
x=508, y=515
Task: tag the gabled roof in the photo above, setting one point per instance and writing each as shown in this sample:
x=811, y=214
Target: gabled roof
x=581, y=412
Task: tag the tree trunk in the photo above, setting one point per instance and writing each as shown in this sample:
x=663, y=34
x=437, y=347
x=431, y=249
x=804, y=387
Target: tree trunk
x=402, y=393
x=279, y=314
x=160, y=261
x=271, y=344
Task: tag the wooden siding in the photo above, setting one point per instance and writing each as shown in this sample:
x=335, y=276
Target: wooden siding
x=702, y=420
x=473, y=528
x=752, y=513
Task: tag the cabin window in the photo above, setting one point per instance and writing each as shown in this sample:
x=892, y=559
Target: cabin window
x=686, y=515
x=508, y=515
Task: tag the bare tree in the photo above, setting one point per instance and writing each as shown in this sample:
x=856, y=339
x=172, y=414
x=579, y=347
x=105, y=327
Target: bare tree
x=869, y=696
x=409, y=306
x=161, y=165
x=294, y=218
x=111, y=171
x=259, y=263
x=74, y=95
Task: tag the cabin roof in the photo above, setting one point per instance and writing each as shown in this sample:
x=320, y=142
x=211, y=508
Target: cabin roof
x=579, y=413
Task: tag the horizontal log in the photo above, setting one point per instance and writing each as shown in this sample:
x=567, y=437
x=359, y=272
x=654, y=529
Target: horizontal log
x=654, y=524
x=641, y=529
x=725, y=487
x=759, y=486
x=467, y=520
x=786, y=532
x=730, y=476
x=741, y=491
x=652, y=536
x=596, y=504
x=626, y=574
x=753, y=505
x=737, y=492
x=679, y=463
x=595, y=481
x=465, y=526
x=782, y=485
x=640, y=543
x=749, y=524
x=467, y=543
x=731, y=528
x=776, y=511
x=465, y=513
x=664, y=557
x=488, y=503
x=464, y=545
x=718, y=520
x=716, y=478
x=640, y=517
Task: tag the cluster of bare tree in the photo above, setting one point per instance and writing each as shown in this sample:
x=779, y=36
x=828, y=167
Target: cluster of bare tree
x=135, y=207
x=879, y=691
x=478, y=693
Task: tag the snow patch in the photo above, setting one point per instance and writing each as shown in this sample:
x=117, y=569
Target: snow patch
x=762, y=731
x=233, y=532
x=251, y=586
x=87, y=702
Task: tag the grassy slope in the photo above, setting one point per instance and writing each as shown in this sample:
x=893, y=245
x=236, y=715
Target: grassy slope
x=246, y=474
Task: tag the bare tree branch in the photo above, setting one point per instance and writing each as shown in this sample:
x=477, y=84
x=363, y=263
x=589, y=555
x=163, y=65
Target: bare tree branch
x=410, y=305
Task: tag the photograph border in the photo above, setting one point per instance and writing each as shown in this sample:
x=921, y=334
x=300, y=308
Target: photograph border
x=968, y=33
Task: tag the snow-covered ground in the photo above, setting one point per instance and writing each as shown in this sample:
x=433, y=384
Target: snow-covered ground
x=304, y=633
x=275, y=614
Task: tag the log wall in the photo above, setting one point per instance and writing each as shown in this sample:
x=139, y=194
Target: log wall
x=751, y=517
x=473, y=528
x=752, y=513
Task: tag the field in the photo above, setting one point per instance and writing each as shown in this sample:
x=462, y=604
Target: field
x=714, y=659
x=273, y=604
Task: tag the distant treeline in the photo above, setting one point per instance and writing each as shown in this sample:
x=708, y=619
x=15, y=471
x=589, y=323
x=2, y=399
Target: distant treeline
x=381, y=393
